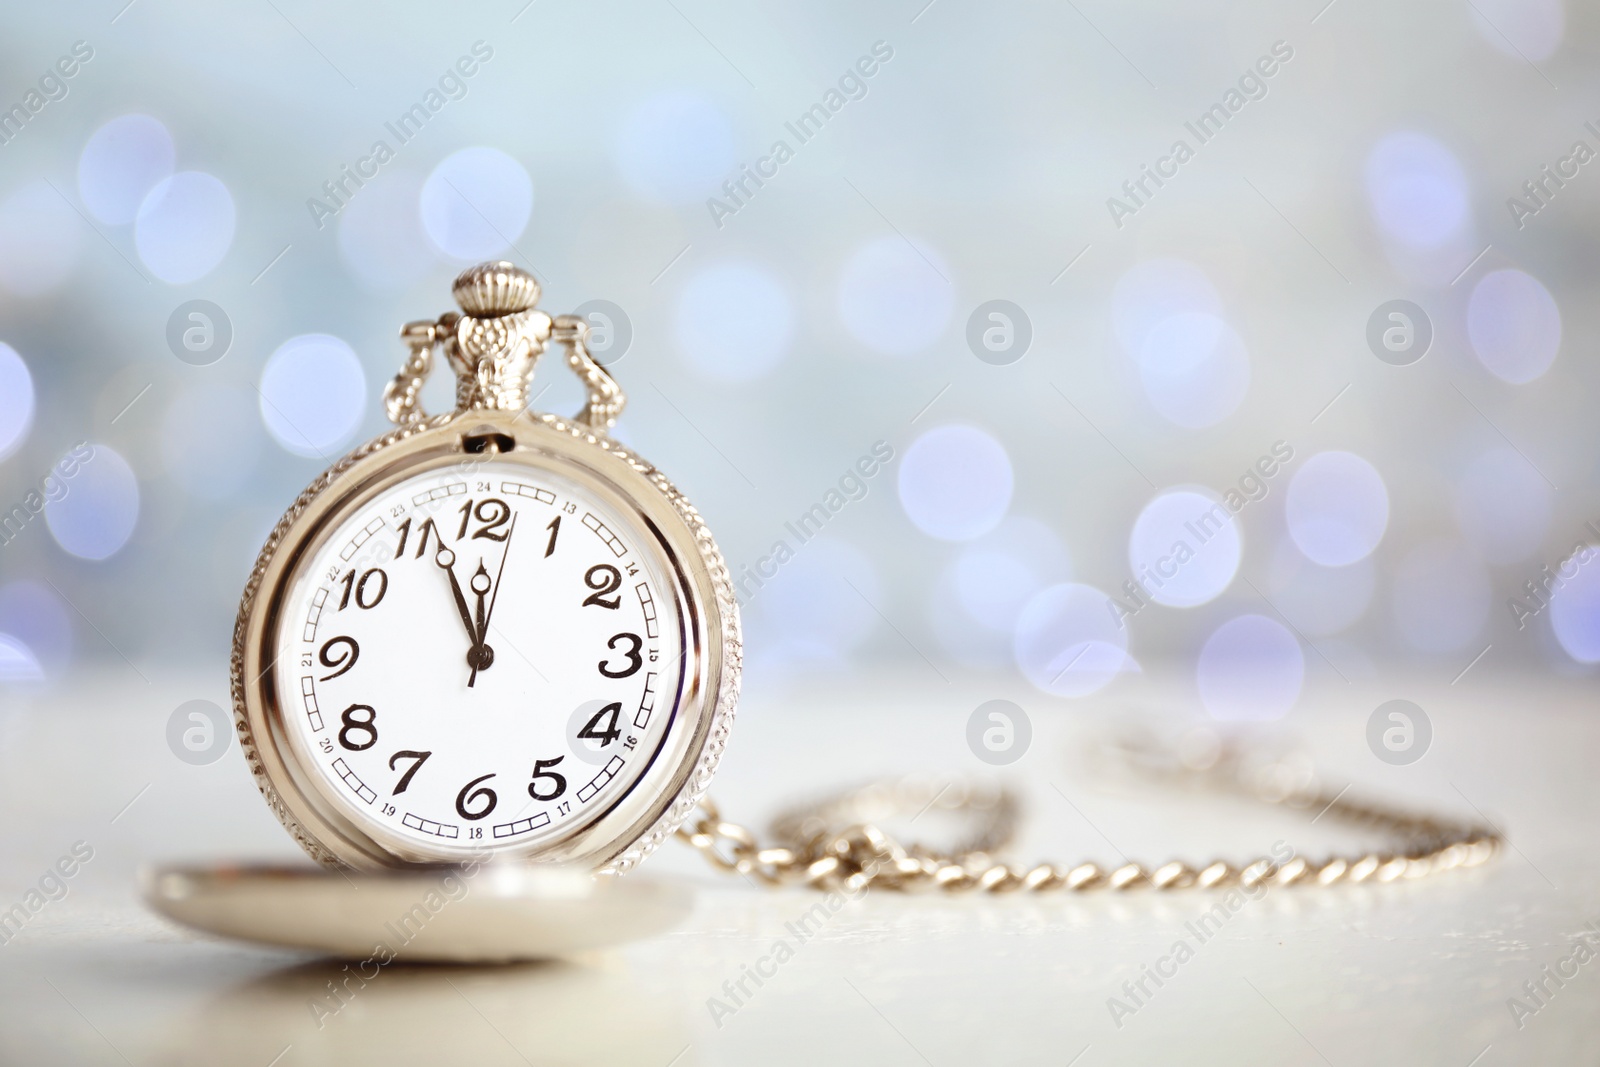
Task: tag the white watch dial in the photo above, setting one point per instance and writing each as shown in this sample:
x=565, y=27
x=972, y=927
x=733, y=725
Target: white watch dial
x=483, y=656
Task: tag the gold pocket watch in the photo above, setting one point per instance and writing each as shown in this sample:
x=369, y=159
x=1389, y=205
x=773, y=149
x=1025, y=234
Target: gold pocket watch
x=487, y=634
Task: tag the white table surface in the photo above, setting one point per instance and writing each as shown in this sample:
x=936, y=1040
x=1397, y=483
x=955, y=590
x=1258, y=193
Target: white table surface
x=1413, y=973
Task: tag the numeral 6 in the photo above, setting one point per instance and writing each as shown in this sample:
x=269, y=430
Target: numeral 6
x=469, y=795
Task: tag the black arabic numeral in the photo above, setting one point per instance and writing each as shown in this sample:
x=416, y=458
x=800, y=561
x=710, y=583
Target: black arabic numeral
x=604, y=579
x=352, y=724
x=554, y=528
x=468, y=794
x=424, y=531
x=559, y=780
x=492, y=512
x=635, y=661
x=607, y=734
x=498, y=514
x=405, y=779
x=343, y=662
x=361, y=591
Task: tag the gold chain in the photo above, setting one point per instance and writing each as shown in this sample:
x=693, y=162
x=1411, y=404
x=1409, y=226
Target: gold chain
x=837, y=844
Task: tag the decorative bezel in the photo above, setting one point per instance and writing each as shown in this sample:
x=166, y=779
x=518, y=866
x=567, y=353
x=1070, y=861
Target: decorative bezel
x=662, y=798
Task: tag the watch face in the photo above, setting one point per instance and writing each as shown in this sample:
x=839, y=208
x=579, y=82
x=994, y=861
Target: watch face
x=482, y=656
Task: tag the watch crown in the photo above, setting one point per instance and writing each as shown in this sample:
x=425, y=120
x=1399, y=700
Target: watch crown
x=491, y=290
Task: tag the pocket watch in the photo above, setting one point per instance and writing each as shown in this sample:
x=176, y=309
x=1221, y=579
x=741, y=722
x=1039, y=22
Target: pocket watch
x=488, y=634
x=496, y=635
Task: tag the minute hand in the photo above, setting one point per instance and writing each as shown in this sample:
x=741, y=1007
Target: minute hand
x=483, y=631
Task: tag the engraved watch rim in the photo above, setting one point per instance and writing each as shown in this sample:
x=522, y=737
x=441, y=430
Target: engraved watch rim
x=714, y=671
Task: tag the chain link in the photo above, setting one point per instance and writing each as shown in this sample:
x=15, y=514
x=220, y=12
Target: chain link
x=838, y=844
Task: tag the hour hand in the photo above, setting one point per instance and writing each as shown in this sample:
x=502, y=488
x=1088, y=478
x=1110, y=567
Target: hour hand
x=446, y=560
x=480, y=655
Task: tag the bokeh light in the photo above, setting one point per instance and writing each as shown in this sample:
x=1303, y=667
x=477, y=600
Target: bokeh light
x=1514, y=325
x=16, y=400
x=121, y=163
x=17, y=661
x=1319, y=600
x=381, y=238
x=211, y=440
x=100, y=509
x=1194, y=369
x=1575, y=610
x=1503, y=505
x=955, y=482
x=677, y=147
x=833, y=308
x=1441, y=597
x=313, y=394
x=1067, y=643
x=185, y=226
x=1251, y=669
x=735, y=322
x=40, y=236
x=1337, y=508
x=1185, y=548
x=476, y=203
x=1154, y=291
x=1417, y=190
x=895, y=298
x=34, y=614
x=993, y=577
x=974, y=603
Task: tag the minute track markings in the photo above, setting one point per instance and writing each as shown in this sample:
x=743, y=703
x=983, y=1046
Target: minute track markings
x=602, y=531
x=521, y=826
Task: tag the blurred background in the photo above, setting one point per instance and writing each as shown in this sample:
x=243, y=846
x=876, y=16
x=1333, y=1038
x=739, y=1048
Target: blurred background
x=1245, y=345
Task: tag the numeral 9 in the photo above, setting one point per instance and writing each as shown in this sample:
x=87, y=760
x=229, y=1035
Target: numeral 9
x=344, y=662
